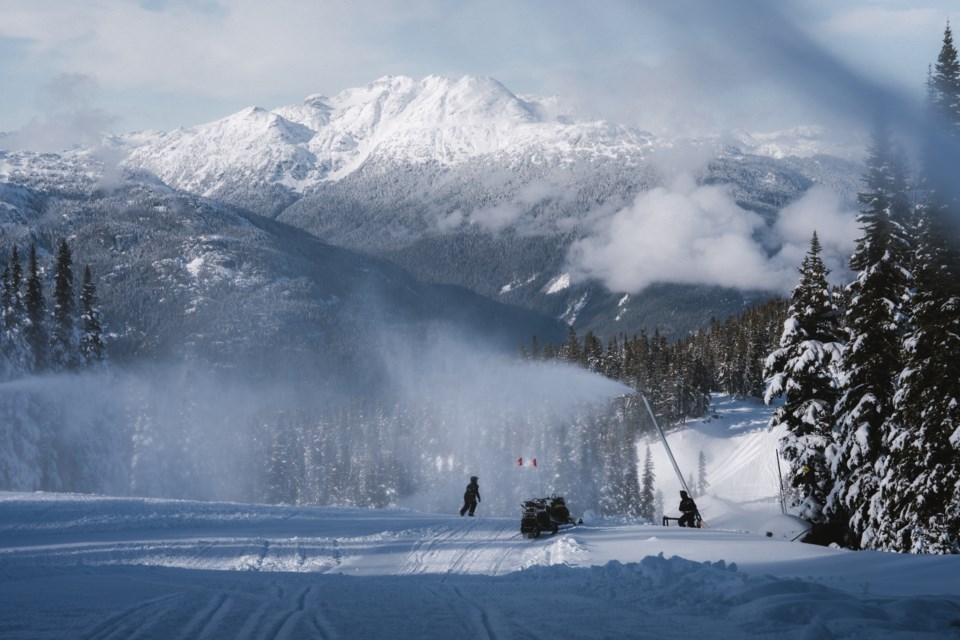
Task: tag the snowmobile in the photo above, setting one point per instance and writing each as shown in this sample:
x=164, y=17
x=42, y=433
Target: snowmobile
x=545, y=514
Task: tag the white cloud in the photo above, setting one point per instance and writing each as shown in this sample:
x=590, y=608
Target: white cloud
x=668, y=65
x=820, y=210
x=497, y=217
x=450, y=221
x=67, y=117
x=236, y=50
x=699, y=235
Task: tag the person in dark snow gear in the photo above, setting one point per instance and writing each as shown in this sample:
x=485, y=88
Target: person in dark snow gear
x=688, y=508
x=471, y=497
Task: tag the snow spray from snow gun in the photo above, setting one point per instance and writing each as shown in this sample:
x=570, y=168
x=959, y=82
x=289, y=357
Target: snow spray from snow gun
x=673, y=461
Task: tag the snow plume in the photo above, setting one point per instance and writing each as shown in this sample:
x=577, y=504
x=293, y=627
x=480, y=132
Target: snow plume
x=439, y=413
x=698, y=234
x=59, y=432
x=170, y=431
x=480, y=411
x=68, y=117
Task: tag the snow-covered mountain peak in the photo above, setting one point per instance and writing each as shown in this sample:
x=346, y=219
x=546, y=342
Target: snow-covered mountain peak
x=393, y=119
x=399, y=120
x=254, y=144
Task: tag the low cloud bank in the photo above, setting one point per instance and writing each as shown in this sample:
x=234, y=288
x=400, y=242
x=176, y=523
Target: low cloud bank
x=698, y=234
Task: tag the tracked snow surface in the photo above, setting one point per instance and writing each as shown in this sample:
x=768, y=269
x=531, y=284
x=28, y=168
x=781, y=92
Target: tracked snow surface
x=80, y=566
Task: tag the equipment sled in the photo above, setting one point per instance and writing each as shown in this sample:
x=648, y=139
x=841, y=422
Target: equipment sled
x=697, y=521
x=545, y=514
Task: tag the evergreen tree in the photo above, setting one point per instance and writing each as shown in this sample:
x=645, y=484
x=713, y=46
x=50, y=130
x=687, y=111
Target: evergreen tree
x=922, y=503
x=803, y=370
x=613, y=361
x=875, y=320
x=921, y=508
x=35, y=329
x=702, y=484
x=591, y=356
x=16, y=284
x=571, y=350
x=16, y=357
x=63, y=341
x=92, y=349
x=647, y=496
x=943, y=87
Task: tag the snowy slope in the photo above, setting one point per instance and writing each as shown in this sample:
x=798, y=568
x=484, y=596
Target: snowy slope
x=741, y=464
x=81, y=567
x=93, y=567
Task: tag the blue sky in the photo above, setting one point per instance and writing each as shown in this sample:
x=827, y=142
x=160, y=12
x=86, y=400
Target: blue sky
x=671, y=66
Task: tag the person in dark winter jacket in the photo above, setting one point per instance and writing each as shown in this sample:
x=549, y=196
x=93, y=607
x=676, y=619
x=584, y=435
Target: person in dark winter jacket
x=471, y=497
x=688, y=508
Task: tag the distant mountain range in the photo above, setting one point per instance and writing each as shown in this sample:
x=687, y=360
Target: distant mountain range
x=186, y=278
x=268, y=215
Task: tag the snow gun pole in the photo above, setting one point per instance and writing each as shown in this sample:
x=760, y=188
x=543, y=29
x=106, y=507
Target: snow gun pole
x=663, y=439
x=666, y=446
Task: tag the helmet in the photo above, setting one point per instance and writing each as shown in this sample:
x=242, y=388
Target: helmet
x=474, y=478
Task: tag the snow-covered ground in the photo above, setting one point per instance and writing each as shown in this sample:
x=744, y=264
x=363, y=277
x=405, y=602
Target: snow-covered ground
x=91, y=567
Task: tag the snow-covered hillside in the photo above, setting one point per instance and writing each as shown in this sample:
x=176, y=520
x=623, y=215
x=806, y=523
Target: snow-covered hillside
x=740, y=452
x=94, y=567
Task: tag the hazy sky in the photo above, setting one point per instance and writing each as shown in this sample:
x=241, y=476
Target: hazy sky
x=679, y=66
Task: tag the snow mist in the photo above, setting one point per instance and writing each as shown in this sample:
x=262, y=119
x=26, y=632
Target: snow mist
x=438, y=412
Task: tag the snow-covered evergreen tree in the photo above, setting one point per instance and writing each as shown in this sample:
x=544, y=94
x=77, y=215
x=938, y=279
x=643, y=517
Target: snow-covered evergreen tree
x=35, y=328
x=875, y=321
x=63, y=338
x=15, y=355
x=803, y=369
x=647, y=491
x=92, y=350
x=702, y=483
x=922, y=510
x=923, y=479
x=943, y=86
